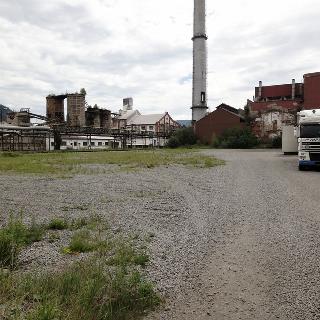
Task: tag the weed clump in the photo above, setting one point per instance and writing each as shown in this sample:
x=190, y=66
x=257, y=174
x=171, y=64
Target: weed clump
x=58, y=224
x=15, y=236
x=125, y=254
x=85, y=290
x=81, y=242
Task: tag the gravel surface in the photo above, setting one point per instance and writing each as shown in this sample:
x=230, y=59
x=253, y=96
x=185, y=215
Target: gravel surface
x=239, y=241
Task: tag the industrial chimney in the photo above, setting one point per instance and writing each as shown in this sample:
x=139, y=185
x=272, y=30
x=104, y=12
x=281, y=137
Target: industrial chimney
x=293, y=90
x=199, y=90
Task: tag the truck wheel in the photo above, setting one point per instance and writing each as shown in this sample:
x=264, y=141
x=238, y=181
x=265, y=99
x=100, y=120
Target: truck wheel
x=301, y=167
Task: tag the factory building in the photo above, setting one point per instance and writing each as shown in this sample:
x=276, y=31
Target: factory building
x=293, y=96
x=98, y=118
x=55, y=107
x=153, y=123
x=133, y=120
x=21, y=118
x=276, y=105
x=311, y=95
x=218, y=121
x=76, y=107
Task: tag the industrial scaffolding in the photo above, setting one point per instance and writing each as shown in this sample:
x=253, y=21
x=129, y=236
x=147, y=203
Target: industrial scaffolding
x=39, y=138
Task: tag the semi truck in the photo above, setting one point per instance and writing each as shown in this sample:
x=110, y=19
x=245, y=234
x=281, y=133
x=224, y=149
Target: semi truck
x=308, y=134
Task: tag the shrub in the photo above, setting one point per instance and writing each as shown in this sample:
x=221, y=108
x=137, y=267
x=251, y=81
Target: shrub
x=58, y=224
x=237, y=138
x=173, y=142
x=276, y=142
x=182, y=137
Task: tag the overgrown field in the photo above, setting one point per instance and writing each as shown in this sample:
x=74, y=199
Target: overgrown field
x=106, y=283
x=93, y=162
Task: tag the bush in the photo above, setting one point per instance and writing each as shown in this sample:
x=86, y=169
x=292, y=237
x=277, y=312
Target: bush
x=236, y=138
x=182, y=137
x=276, y=142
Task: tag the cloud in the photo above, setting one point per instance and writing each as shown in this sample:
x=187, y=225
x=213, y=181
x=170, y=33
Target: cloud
x=143, y=48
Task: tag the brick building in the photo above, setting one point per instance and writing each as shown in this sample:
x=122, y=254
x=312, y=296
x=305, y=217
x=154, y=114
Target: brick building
x=216, y=122
x=293, y=96
x=276, y=105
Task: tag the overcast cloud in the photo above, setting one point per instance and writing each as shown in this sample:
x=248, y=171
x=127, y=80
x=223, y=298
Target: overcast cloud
x=143, y=49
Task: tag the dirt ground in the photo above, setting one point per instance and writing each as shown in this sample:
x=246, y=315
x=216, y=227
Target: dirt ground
x=239, y=241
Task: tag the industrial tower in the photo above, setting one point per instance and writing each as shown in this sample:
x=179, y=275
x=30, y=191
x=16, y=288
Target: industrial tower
x=199, y=89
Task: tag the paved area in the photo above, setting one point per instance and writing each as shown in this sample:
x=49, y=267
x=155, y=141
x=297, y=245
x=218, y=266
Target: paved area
x=239, y=241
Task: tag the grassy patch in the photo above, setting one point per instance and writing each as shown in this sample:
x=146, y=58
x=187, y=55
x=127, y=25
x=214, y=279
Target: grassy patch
x=126, y=254
x=70, y=163
x=58, y=224
x=86, y=290
x=14, y=237
x=81, y=241
x=108, y=285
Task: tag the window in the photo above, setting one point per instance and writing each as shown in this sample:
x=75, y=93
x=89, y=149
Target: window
x=52, y=144
x=99, y=143
x=203, y=97
x=150, y=128
x=85, y=144
x=93, y=143
x=75, y=144
x=143, y=127
x=63, y=143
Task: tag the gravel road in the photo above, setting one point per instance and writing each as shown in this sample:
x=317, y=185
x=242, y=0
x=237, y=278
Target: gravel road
x=239, y=241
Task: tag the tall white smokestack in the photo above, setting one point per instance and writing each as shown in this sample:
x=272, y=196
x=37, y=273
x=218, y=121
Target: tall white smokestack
x=199, y=94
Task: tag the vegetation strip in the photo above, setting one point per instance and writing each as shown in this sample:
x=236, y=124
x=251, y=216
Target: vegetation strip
x=75, y=163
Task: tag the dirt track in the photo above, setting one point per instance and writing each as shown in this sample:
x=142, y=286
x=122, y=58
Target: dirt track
x=256, y=225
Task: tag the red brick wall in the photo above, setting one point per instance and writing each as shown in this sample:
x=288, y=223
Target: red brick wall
x=286, y=104
x=215, y=124
x=275, y=91
x=312, y=91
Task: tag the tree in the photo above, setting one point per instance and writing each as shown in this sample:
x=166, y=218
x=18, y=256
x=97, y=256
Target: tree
x=182, y=137
x=83, y=91
x=236, y=138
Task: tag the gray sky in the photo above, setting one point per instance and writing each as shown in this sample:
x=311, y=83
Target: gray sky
x=143, y=49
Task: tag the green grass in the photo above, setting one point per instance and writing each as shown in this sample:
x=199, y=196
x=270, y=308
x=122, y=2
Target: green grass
x=85, y=290
x=81, y=241
x=107, y=285
x=14, y=237
x=58, y=224
x=126, y=254
x=69, y=163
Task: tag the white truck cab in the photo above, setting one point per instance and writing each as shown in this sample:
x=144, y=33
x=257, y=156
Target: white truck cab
x=308, y=134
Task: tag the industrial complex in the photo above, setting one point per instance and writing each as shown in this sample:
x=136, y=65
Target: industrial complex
x=84, y=127
x=71, y=123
